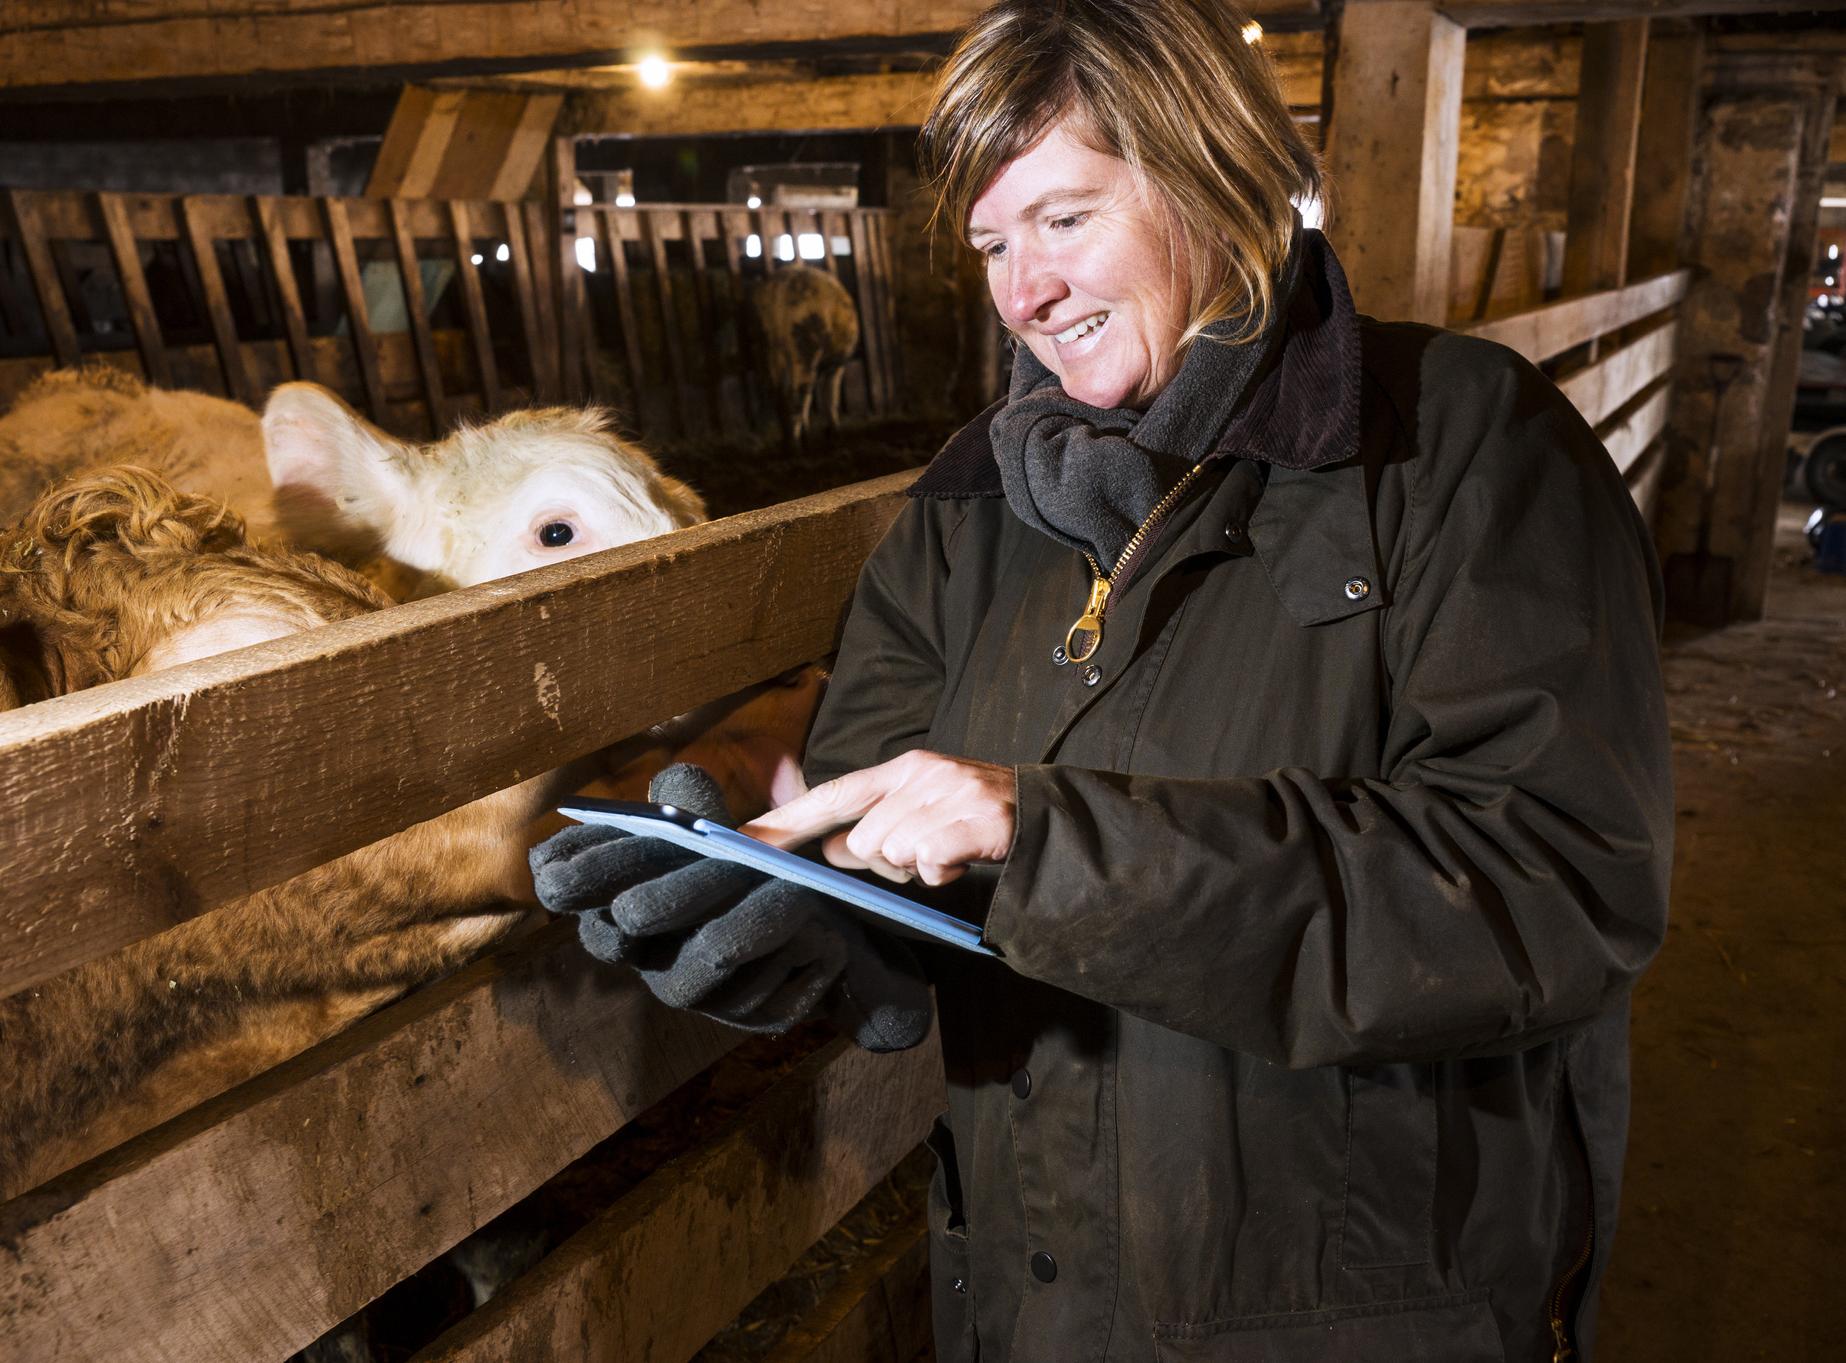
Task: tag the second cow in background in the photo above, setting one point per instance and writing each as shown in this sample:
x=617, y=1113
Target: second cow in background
x=809, y=329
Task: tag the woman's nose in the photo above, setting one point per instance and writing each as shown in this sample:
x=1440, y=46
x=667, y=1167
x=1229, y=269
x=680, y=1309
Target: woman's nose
x=1029, y=287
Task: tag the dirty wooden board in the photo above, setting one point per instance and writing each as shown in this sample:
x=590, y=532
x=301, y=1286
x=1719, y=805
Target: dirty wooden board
x=352, y=291
x=416, y=312
x=879, y=1313
x=1619, y=375
x=282, y=275
x=1555, y=328
x=203, y=245
x=131, y=806
x=24, y=224
x=474, y=305
x=1629, y=437
x=248, y=1227
x=729, y=1217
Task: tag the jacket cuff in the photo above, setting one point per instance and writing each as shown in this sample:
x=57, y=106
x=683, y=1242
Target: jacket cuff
x=1035, y=803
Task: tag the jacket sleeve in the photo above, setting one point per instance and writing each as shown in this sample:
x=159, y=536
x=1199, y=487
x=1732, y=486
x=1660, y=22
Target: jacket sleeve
x=888, y=677
x=1504, y=881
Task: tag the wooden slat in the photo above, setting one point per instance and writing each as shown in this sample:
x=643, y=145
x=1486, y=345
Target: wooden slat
x=878, y=1313
x=697, y=227
x=200, y=240
x=655, y=245
x=24, y=226
x=623, y=285
x=473, y=305
x=733, y=225
x=352, y=289
x=885, y=313
x=416, y=311
x=1627, y=439
x=125, y=251
x=819, y=225
x=282, y=273
x=729, y=1217
x=540, y=238
x=871, y=335
x=1606, y=385
x=567, y=290
x=1602, y=167
x=538, y=344
x=1663, y=159
x=414, y=143
x=1555, y=328
x=131, y=806
x=1643, y=479
x=248, y=1227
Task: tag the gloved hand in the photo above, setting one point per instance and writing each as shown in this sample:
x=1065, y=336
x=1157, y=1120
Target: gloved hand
x=722, y=939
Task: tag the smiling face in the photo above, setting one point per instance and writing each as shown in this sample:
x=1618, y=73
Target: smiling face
x=1083, y=267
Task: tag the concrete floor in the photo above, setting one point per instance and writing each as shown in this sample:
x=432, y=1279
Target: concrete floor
x=1733, y=1213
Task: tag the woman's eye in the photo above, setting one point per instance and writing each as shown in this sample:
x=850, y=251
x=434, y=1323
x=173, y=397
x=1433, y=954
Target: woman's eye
x=995, y=250
x=1068, y=220
x=556, y=534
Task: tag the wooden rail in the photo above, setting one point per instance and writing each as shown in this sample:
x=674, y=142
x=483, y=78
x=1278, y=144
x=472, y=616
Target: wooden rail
x=235, y=294
x=131, y=806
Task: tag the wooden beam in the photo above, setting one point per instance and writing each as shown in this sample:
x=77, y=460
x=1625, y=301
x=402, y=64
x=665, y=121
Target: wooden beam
x=130, y=807
x=1391, y=152
x=878, y=1313
x=692, y=108
x=1627, y=439
x=1549, y=331
x=1601, y=388
x=1663, y=155
x=202, y=242
x=383, y=1146
x=24, y=225
x=414, y=143
x=729, y=1217
x=1602, y=164
x=125, y=251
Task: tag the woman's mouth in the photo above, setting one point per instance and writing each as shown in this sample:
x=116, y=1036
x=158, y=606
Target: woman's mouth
x=1081, y=331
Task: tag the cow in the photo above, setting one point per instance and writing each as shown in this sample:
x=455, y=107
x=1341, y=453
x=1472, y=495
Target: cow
x=807, y=328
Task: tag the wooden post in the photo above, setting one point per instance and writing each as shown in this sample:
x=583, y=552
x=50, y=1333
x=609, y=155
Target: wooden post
x=1602, y=162
x=1392, y=149
x=568, y=297
x=126, y=252
x=1663, y=155
x=1762, y=147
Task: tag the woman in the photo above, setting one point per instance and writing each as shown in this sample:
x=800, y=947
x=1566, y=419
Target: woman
x=1279, y=689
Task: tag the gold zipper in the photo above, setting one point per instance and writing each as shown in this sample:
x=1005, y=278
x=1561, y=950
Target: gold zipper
x=1559, y=1335
x=1090, y=622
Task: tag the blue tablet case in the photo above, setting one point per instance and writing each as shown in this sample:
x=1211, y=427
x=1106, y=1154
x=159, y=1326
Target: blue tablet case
x=710, y=839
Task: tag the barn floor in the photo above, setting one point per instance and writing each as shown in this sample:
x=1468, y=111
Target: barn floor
x=1733, y=1206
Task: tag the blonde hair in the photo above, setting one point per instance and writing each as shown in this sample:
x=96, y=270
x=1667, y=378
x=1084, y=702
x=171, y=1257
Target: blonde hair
x=1168, y=86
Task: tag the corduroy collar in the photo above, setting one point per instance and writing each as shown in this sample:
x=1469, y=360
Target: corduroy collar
x=1300, y=413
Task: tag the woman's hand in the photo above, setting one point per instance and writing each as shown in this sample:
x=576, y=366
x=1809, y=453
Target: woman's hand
x=920, y=815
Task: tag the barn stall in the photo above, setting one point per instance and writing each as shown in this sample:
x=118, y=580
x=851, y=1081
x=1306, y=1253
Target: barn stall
x=254, y=1224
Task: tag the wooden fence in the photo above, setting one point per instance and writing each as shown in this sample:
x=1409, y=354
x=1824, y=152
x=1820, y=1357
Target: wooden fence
x=246, y=1228
x=422, y=311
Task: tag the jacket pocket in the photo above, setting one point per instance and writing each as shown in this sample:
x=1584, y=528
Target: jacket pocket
x=1390, y=1167
x=951, y=1290
x=1454, y=1329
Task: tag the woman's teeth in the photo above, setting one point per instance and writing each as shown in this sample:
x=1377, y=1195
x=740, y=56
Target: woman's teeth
x=1083, y=328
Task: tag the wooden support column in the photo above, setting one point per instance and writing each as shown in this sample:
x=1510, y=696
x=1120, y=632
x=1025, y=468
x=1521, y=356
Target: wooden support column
x=1761, y=154
x=1602, y=161
x=463, y=144
x=1391, y=149
x=1663, y=154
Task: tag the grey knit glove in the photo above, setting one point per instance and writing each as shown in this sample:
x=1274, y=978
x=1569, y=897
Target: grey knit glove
x=724, y=940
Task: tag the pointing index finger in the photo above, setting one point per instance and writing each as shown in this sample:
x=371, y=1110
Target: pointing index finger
x=830, y=805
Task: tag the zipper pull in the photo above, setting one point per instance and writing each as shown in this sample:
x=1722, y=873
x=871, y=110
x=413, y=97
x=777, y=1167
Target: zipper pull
x=1090, y=623
x=1563, y=1350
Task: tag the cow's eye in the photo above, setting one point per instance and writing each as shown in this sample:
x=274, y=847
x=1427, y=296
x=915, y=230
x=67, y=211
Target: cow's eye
x=556, y=534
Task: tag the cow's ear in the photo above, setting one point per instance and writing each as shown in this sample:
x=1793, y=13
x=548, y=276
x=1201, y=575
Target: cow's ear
x=333, y=471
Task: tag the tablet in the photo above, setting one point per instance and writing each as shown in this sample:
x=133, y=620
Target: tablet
x=710, y=839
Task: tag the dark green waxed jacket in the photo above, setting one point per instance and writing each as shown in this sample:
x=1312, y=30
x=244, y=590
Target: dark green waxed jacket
x=1334, y=869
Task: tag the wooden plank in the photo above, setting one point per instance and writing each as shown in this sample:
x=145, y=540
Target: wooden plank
x=1602, y=166
x=623, y=285
x=540, y=239
x=1392, y=149
x=1632, y=434
x=352, y=289
x=129, y=807
x=878, y=1313
x=1555, y=328
x=819, y=228
x=200, y=240
x=730, y=1217
x=282, y=273
x=1643, y=479
x=656, y=247
x=1601, y=388
x=415, y=141
x=696, y=227
x=23, y=225
x=871, y=336
x=1663, y=159
x=517, y=158
x=474, y=307
x=248, y=1227
x=125, y=251
x=884, y=313
x=733, y=225
x=538, y=347
x=700, y=106
x=567, y=292
x=416, y=311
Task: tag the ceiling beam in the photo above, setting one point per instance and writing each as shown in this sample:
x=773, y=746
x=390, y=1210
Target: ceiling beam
x=75, y=48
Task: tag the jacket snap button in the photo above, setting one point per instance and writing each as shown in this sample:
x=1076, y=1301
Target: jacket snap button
x=1059, y=656
x=1022, y=1084
x=1044, y=1267
x=1233, y=533
x=1091, y=675
x=959, y=1287
x=1357, y=589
